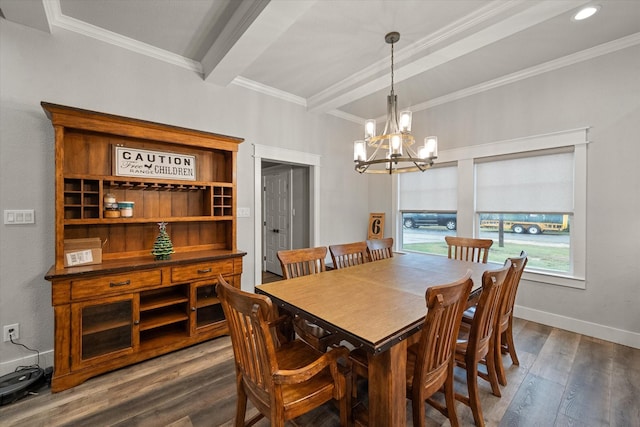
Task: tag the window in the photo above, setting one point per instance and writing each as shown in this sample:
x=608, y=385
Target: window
x=540, y=178
x=428, y=209
x=541, y=186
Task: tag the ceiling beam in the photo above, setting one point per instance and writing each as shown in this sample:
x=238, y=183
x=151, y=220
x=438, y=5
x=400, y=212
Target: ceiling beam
x=29, y=13
x=253, y=27
x=370, y=80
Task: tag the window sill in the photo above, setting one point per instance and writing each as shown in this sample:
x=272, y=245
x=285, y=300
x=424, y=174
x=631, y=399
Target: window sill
x=554, y=279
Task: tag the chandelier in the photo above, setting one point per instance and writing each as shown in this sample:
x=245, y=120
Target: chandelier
x=393, y=151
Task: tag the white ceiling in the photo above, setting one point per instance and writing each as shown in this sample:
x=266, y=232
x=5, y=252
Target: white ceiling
x=330, y=55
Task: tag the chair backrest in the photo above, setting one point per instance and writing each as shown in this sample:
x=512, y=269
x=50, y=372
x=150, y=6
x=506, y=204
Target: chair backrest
x=349, y=254
x=468, y=249
x=510, y=288
x=445, y=305
x=302, y=262
x=254, y=348
x=380, y=248
x=486, y=310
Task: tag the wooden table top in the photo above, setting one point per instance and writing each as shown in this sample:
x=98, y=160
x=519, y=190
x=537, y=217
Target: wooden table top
x=372, y=305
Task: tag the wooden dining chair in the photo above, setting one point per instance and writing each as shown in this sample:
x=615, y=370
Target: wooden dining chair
x=503, y=339
x=468, y=249
x=504, y=322
x=380, y=248
x=349, y=254
x=282, y=380
x=478, y=346
x=430, y=361
x=304, y=262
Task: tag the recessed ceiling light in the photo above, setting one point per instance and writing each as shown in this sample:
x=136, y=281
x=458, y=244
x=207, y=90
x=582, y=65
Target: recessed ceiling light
x=586, y=12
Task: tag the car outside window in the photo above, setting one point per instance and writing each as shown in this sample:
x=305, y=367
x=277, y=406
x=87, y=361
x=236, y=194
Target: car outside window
x=425, y=231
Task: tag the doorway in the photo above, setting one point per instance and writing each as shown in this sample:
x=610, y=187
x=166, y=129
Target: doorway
x=303, y=233
x=285, y=211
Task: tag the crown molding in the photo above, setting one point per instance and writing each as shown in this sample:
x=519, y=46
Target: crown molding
x=575, y=58
x=346, y=116
x=57, y=19
x=268, y=90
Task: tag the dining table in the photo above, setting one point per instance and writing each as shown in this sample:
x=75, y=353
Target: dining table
x=376, y=306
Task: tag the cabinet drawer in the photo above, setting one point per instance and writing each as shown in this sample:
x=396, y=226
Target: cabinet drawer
x=201, y=270
x=115, y=283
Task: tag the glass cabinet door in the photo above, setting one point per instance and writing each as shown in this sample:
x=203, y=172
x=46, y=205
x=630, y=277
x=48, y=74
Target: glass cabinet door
x=207, y=311
x=106, y=329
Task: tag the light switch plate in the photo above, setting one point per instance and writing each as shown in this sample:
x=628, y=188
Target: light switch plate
x=243, y=212
x=19, y=217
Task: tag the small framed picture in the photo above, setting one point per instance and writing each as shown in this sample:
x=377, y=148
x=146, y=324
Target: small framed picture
x=376, y=226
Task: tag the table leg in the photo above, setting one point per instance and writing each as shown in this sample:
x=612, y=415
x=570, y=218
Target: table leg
x=387, y=387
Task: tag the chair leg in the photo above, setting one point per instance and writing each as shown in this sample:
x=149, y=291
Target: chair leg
x=345, y=402
x=491, y=371
x=354, y=386
x=508, y=335
x=241, y=405
x=474, y=396
x=418, y=411
x=497, y=355
x=450, y=399
x=345, y=412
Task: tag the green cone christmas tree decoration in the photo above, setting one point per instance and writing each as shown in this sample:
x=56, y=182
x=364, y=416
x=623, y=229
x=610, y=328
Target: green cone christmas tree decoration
x=162, y=248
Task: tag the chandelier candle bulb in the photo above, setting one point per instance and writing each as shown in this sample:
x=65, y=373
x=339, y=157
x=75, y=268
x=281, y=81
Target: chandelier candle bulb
x=396, y=145
x=405, y=121
x=431, y=143
x=369, y=128
x=359, y=151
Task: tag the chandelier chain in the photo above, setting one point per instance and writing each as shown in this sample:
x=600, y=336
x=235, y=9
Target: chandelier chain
x=392, y=93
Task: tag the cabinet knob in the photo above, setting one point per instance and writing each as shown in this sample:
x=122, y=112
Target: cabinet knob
x=204, y=270
x=193, y=309
x=136, y=322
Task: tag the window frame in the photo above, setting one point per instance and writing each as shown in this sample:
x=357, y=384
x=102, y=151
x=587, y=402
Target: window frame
x=468, y=219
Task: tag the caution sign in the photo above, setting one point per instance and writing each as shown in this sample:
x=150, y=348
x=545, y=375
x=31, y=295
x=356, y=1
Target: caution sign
x=376, y=226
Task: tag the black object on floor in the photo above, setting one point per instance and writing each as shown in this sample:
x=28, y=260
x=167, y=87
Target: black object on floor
x=18, y=384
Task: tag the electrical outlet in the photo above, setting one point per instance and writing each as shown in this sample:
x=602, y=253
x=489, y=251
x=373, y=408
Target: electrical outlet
x=11, y=330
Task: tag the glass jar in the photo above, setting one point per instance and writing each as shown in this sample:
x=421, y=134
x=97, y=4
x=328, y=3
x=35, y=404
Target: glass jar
x=126, y=209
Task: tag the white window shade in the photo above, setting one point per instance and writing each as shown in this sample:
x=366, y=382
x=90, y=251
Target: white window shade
x=434, y=190
x=530, y=184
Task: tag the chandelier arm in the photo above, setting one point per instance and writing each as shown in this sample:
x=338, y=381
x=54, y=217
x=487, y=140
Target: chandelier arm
x=375, y=152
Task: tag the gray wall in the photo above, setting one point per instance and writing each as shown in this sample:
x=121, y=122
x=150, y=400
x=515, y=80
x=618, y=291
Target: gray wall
x=604, y=94
x=69, y=69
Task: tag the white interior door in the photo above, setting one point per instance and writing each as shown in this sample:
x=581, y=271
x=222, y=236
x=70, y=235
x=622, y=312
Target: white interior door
x=277, y=214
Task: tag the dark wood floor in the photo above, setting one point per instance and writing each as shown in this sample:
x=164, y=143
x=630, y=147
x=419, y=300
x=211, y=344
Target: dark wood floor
x=268, y=277
x=564, y=379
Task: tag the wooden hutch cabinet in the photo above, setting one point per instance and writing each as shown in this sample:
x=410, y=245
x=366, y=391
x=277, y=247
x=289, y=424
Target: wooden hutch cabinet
x=130, y=307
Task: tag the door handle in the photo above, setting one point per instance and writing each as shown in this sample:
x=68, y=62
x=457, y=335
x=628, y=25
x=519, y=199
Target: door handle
x=275, y=230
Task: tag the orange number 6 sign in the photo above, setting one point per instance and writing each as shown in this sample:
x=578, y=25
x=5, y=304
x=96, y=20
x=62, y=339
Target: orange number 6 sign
x=376, y=226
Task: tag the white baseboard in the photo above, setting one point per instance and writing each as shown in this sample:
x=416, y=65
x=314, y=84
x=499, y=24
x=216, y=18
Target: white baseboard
x=618, y=336
x=607, y=333
x=46, y=360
